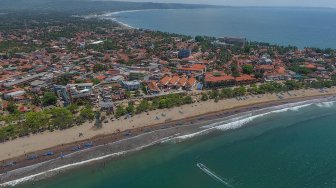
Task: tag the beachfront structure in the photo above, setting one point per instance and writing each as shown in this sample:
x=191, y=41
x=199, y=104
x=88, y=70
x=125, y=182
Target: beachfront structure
x=80, y=90
x=191, y=83
x=233, y=40
x=152, y=88
x=13, y=94
x=265, y=59
x=131, y=85
x=196, y=69
x=245, y=79
x=72, y=92
x=176, y=82
x=137, y=75
x=106, y=105
x=215, y=80
x=184, y=53
x=114, y=79
x=23, y=80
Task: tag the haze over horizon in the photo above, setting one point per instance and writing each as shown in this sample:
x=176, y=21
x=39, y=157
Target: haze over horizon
x=282, y=3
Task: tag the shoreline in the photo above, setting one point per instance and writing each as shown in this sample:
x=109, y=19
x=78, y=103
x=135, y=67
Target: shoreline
x=112, y=16
x=118, y=144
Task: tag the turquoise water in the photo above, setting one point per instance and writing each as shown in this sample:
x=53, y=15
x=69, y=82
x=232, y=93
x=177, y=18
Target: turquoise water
x=312, y=27
x=294, y=148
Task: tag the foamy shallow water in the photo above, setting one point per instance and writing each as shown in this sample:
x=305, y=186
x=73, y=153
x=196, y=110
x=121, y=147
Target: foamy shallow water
x=234, y=122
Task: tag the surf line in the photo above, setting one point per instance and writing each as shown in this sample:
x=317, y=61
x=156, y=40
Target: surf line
x=212, y=174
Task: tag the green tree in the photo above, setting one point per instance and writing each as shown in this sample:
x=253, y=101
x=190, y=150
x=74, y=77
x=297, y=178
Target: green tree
x=87, y=113
x=163, y=103
x=73, y=108
x=204, y=97
x=247, y=69
x=61, y=118
x=49, y=98
x=187, y=100
x=227, y=93
x=36, y=120
x=143, y=106
x=130, y=108
x=128, y=94
x=12, y=108
x=239, y=91
x=36, y=100
x=120, y=111
x=99, y=67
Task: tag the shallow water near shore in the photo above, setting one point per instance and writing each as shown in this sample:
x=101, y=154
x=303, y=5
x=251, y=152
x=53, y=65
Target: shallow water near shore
x=292, y=148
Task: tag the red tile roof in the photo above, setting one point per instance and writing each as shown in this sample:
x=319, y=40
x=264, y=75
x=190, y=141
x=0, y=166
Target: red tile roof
x=244, y=77
x=182, y=82
x=165, y=80
x=219, y=78
x=101, y=77
x=191, y=81
x=153, y=86
x=174, y=80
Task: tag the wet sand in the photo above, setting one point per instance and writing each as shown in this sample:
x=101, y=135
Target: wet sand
x=140, y=130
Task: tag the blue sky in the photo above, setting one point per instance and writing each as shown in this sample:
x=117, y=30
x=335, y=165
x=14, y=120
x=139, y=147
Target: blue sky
x=301, y=3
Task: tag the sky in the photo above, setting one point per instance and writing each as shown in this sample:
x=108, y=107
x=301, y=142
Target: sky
x=300, y=3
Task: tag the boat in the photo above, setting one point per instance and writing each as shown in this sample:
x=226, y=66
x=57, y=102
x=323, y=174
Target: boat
x=201, y=166
x=12, y=163
x=87, y=145
x=32, y=157
x=49, y=153
x=77, y=148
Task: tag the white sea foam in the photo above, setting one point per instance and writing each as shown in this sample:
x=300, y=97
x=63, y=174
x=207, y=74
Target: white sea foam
x=234, y=122
x=239, y=120
x=122, y=23
x=187, y=136
x=128, y=11
x=111, y=14
x=326, y=104
x=34, y=176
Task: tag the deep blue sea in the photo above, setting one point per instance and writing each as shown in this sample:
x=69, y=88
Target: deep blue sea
x=302, y=27
x=294, y=147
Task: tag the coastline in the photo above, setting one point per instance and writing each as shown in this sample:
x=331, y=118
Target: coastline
x=112, y=16
x=131, y=139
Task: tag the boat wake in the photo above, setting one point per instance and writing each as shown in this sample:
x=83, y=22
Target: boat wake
x=212, y=174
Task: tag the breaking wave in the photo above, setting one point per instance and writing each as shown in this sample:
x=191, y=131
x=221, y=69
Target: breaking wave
x=326, y=104
x=229, y=123
x=239, y=120
x=58, y=169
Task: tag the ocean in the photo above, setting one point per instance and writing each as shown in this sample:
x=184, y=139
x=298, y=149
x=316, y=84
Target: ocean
x=301, y=27
x=285, y=147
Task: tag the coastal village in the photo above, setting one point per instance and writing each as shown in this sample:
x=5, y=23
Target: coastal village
x=77, y=72
x=109, y=71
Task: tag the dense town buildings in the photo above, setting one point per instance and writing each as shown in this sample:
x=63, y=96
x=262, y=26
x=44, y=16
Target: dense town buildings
x=102, y=64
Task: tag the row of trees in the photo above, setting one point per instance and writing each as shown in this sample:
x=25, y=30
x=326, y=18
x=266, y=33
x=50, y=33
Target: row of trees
x=22, y=124
x=270, y=87
x=167, y=101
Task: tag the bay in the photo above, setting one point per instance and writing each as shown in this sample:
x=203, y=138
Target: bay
x=301, y=27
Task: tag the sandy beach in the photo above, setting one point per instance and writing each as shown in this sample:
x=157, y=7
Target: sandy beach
x=45, y=140
x=133, y=133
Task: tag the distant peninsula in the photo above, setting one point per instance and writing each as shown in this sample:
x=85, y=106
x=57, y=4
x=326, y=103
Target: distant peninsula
x=89, y=6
